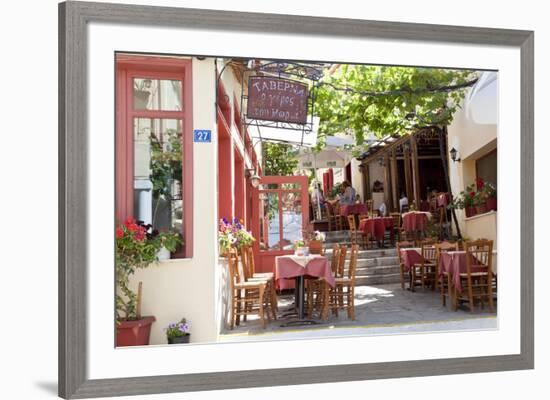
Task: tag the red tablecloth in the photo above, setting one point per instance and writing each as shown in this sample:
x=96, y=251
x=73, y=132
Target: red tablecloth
x=415, y=221
x=350, y=209
x=376, y=226
x=454, y=263
x=410, y=257
x=286, y=268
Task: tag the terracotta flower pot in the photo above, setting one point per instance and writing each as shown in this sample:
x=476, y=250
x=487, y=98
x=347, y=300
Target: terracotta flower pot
x=315, y=246
x=470, y=211
x=481, y=208
x=491, y=204
x=134, y=333
x=179, y=340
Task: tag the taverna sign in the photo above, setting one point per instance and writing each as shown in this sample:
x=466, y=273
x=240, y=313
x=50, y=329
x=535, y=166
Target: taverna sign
x=276, y=99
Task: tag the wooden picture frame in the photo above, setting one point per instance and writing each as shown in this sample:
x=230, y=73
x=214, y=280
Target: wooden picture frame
x=73, y=196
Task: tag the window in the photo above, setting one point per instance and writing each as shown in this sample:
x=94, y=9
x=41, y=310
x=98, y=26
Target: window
x=486, y=167
x=154, y=144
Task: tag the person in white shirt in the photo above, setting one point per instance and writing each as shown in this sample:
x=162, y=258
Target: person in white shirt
x=382, y=209
x=403, y=203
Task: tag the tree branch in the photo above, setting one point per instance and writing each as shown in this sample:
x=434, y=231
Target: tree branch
x=441, y=89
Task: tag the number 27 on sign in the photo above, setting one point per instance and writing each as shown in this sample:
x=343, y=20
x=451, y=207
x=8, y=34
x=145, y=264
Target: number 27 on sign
x=202, y=136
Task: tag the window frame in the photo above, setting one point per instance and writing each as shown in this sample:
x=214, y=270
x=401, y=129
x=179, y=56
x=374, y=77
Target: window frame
x=127, y=68
x=488, y=154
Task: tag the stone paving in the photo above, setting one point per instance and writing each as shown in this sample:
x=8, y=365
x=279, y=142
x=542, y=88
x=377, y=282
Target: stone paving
x=381, y=309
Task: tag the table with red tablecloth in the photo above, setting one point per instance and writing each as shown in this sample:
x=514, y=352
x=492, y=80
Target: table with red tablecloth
x=298, y=267
x=415, y=221
x=290, y=266
x=410, y=257
x=377, y=226
x=454, y=263
x=352, y=209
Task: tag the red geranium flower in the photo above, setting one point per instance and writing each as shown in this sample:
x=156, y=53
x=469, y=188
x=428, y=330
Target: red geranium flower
x=130, y=221
x=132, y=227
x=472, y=194
x=119, y=233
x=140, y=234
x=480, y=183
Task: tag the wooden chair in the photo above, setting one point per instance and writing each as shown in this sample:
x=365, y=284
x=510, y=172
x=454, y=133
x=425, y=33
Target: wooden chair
x=315, y=287
x=246, y=297
x=343, y=294
x=424, y=272
x=342, y=220
x=396, y=226
x=247, y=259
x=399, y=246
x=370, y=206
x=341, y=262
x=334, y=219
x=353, y=232
x=444, y=282
x=477, y=281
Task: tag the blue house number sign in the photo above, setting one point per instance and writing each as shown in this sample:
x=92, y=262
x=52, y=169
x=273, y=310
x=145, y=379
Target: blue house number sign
x=202, y=136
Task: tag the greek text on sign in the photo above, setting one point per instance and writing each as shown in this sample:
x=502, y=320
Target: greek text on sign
x=275, y=99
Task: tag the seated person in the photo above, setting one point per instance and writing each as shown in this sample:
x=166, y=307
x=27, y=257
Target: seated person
x=348, y=197
x=317, y=195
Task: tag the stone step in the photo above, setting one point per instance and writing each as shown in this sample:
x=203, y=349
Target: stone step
x=378, y=270
x=377, y=279
x=392, y=260
x=391, y=252
x=375, y=262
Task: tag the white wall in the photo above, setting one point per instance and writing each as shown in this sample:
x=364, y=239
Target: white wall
x=473, y=133
x=357, y=178
x=186, y=288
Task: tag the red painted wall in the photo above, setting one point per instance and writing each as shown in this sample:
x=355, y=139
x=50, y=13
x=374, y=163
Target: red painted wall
x=225, y=205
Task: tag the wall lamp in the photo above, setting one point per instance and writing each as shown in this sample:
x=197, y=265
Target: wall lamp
x=454, y=155
x=253, y=176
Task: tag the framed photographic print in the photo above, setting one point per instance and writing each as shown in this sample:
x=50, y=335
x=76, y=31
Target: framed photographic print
x=283, y=200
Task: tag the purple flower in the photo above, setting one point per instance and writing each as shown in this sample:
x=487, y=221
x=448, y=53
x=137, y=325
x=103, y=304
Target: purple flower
x=224, y=220
x=172, y=326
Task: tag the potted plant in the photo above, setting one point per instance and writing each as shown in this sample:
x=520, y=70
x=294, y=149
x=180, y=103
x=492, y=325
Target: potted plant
x=233, y=235
x=136, y=247
x=479, y=202
x=169, y=242
x=469, y=201
x=315, y=241
x=491, y=196
x=481, y=196
x=300, y=248
x=177, y=333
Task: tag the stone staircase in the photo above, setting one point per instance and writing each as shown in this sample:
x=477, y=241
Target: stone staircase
x=374, y=267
